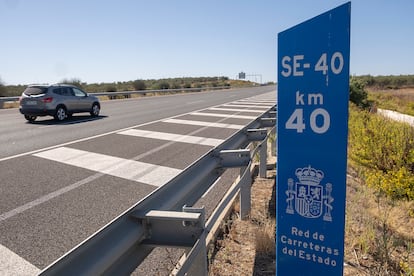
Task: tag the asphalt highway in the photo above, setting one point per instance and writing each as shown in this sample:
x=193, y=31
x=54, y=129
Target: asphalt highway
x=61, y=182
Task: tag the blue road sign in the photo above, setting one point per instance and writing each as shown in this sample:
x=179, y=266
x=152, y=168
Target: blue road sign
x=313, y=93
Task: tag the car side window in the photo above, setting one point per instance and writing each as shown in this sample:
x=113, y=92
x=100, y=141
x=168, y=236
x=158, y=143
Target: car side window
x=58, y=91
x=78, y=92
x=67, y=91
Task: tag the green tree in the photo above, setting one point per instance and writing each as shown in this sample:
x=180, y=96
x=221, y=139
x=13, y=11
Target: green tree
x=73, y=81
x=357, y=93
x=163, y=85
x=139, y=85
x=2, y=89
x=110, y=88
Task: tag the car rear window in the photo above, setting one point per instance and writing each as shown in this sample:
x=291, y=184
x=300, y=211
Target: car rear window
x=35, y=90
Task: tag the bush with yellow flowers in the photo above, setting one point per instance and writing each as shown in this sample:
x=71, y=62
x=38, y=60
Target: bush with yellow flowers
x=384, y=151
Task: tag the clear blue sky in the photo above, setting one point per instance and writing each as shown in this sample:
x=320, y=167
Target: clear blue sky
x=45, y=41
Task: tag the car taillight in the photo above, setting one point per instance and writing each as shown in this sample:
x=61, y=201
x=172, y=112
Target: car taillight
x=47, y=100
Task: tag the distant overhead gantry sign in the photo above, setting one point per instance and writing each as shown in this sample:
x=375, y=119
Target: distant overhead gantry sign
x=243, y=75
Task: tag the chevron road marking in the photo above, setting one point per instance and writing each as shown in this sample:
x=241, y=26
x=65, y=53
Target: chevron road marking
x=124, y=168
x=201, y=123
x=246, y=105
x=224, y=115
x=13, y=264
x=173, y=137
x=236, y=110
x=258, y=103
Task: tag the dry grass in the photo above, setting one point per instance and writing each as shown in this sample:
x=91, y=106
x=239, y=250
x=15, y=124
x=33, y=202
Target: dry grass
x=401, y=100
x=9, y=105
x=407, y=93
x=379, y=233
x=248, y=247
x=265, y=239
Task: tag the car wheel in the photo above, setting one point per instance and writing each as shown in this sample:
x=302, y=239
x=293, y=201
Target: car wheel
x=95, y=110
x=60, y=114
x=30, y=118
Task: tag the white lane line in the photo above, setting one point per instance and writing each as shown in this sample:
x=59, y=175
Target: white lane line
x=13, y=264
x=48, y=197
x=195, y=102
x=246, y=106
x=235, y=110
x=211, y=187
x=201, y=123
x=173, y=137
x=124, y=168
x=224, y=115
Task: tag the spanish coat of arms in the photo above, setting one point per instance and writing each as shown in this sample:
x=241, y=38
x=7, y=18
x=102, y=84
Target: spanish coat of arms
x=307, y=197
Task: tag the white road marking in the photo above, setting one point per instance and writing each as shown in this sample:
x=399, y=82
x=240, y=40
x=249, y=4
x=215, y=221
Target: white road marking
x=224, y=115
x=13, y=264
x=48, y=197
x=211, y=187
x=235, y=110
x=201, y=123
x=124, y=168
x=257, y=104
x=245, y=105
x=173, y=137
x=269, y=101
x=195, y=102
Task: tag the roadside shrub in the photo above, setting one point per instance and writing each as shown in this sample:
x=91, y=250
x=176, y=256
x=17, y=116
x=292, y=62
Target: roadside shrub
x=2, y=91
x=163, y=85
x=357, y=93
x=74, y=81
x=385, y=151
x=139, y=85
x=396, y=184
x=110, y=88
x=387, y=82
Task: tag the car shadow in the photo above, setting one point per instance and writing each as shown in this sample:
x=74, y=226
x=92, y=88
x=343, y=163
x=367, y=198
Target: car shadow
x=76, y=119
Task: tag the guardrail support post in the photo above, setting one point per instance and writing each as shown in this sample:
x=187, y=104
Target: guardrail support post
x=198, y=264
x=273, y=143
x=198, y=254
x=263, y=159
x=245, y=192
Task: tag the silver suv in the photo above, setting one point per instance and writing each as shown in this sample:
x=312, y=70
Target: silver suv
x=57, y=100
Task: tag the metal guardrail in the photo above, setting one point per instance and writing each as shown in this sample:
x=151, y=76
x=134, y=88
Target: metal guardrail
x=194, y=262
x=9, y=99
x=129, y=93
x=163, y=218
